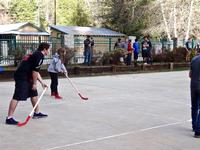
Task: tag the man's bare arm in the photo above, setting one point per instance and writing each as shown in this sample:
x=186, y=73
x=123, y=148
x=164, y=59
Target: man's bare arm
x=35, y=77
x=41, y=80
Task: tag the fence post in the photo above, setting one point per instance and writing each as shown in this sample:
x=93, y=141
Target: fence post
x=113, y=68
x=110, y=43
x=39, y=39
x=171, y=65
x=175, y=43
x=193, y=44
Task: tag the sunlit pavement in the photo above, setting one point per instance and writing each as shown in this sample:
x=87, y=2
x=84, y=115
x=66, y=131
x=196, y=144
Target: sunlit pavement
x=124, y=112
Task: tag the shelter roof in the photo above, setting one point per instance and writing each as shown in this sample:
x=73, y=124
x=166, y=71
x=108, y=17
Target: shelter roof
x=93, y=31
x=16, y=29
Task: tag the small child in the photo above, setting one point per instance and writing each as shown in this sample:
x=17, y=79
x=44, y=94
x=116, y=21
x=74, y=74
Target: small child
x=54, y=68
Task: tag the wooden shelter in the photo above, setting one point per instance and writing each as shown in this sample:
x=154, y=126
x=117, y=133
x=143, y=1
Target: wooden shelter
x=23, y=37
x=74, y=36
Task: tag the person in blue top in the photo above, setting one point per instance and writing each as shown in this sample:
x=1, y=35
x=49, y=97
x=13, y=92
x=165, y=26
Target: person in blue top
x=136, y=50
x=1, y=69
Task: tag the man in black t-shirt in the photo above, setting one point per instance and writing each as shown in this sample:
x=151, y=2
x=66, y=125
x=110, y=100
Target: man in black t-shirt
x=26, y=77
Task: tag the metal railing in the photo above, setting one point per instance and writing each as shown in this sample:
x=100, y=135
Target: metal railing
x=12, y=51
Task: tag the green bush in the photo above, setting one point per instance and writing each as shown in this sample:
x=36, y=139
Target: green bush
x=159, y=57
x=113, y=57
x=69, y=54
x=179, y=54
x=192, y=54
x=117, y=54
x=169, y=56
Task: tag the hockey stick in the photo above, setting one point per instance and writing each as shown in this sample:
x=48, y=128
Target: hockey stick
x=82, y=97
x=29, y=116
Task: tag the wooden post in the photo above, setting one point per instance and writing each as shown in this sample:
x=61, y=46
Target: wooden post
x=54, y=12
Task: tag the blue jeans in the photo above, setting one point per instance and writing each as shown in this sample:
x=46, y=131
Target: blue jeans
x=129, y=59
x=87, y=59
x=195, y=109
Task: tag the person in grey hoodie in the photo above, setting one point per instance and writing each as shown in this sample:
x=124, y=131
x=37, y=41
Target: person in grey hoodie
x=56, y=66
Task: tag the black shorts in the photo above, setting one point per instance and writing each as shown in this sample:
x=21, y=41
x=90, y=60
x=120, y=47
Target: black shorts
x=23, y=90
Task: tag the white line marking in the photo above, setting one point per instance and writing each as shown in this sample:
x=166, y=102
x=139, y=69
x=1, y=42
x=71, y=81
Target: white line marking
x=118, y=135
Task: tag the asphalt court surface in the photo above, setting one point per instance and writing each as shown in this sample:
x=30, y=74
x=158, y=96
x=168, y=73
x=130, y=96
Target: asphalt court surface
x=124, y=112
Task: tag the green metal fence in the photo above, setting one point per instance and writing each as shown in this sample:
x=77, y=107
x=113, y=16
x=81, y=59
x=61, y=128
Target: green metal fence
x=13, y=49
x=161, y=46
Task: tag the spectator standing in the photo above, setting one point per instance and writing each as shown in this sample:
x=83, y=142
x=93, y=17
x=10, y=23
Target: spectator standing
x=130, y=50
x=136, y=50
x=56, y=66
x=92, y=47
x=125, y=43
x=149, y=60
x=198, y=47
x=87, y=51
x=195, y=94
x=26, y=77
x=146, y=50
x=188, y=46
x=118, y=44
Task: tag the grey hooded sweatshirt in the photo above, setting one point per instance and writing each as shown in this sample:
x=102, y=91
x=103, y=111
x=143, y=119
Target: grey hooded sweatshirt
x=56, y=65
